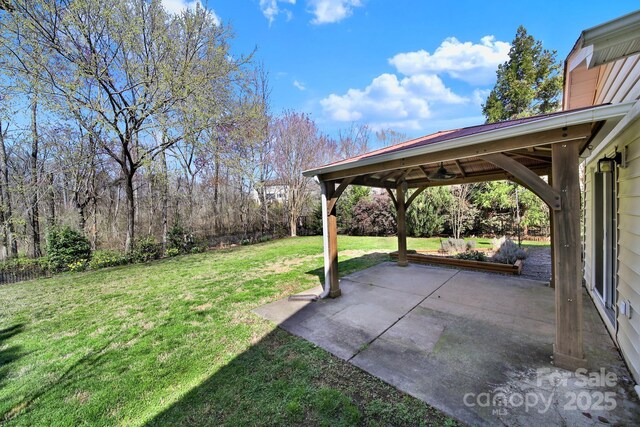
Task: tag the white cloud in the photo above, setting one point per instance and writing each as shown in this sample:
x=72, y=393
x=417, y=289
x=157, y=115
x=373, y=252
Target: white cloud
x=177, y=6
x=330, y=11
x=480, y=96
x=270, y=9
x=474, y=63
x=389, y=102
x=299, y=85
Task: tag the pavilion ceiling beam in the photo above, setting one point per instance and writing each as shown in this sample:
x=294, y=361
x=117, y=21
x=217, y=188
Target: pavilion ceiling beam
x=460, y=168
x=403, y=175
x=470, y=179
x=425, y=171
x=539, y=159
x=532, y=181
x=338, y=192
x=387, y=175
x=565, y=134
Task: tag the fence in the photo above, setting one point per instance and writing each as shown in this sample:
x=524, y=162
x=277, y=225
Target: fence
x=23, y=273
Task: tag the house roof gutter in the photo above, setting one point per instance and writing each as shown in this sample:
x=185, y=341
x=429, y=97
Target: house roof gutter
x=595, y=114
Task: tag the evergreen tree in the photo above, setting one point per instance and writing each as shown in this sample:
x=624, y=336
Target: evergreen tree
x=529, y=83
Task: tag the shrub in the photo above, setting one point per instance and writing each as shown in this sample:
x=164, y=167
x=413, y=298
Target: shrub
x=472, y=255
x=509, y=253
x=245, y=242
x=267, y=237
x=66, y=246
x=107, y=258
x=171, y=252
x=180, y=239
x=197, y=249
x=146, y=249
x=80, y=265
x=373, y=217
x=453, y=245
x=470, y=245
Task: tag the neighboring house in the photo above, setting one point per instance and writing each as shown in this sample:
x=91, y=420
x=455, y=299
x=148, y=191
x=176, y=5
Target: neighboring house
x=274, y=192
x=604, y=67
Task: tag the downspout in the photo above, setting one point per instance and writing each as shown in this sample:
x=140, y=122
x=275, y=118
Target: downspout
x=325, y=237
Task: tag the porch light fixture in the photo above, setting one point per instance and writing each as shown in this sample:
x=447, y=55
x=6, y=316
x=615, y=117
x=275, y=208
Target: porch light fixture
x=607, y=164
x=441, y=174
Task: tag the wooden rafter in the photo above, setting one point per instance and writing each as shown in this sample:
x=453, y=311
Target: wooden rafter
x=543, y=190
x=460, y=168
x=403, y=175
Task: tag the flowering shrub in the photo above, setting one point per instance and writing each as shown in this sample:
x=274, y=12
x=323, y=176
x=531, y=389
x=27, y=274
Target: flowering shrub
x=107, y=258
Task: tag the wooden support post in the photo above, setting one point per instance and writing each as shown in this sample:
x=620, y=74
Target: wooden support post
x=552, y=282
x=332, y=232
x=568, y=350
x=402, y=227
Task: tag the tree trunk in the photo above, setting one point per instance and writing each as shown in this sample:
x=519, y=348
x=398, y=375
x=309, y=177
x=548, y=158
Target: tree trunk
x=51, y=214
x=165, y=199
x=131, y=211
x=12, y=243
x=35, y=214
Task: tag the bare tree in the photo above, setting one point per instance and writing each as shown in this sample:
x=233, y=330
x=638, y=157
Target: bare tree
x=126, y=62
x=353, y=141
x=461, y=211
x=298, y=147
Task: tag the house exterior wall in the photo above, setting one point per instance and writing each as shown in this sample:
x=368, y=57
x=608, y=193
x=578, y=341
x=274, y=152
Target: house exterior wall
x=627, y=330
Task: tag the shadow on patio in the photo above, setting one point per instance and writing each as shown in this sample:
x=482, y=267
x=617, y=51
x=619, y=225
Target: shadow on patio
x=477, y=346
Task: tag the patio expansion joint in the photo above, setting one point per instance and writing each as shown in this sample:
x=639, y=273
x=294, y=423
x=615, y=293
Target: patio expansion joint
x=363, y=347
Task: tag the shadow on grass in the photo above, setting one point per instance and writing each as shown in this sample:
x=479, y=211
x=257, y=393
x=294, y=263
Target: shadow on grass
x=10, y=354
x=85, y=367
x=352, y=265
x=285, y=380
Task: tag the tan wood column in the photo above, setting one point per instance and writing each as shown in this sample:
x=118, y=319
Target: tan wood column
x=402, y=227
x=332, y=229
x=568, y=350
x=552, y=283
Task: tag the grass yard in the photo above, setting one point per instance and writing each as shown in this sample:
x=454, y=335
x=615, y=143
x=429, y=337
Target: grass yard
x=173, y=342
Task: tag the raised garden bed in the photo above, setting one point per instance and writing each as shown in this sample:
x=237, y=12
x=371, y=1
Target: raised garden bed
x=421, y=257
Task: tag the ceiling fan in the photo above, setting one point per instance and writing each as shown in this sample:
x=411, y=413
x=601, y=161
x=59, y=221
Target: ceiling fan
x=441, y=174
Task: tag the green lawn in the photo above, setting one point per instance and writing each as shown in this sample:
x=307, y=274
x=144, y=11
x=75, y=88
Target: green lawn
x=173, y=342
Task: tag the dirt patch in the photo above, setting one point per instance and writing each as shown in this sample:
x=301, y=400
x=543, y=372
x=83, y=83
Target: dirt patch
x=202, y=307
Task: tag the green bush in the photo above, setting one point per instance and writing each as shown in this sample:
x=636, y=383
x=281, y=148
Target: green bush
x=146, y=249
x=472, y=256
x=245, y=242
x=180, y=239
x=266, y=238
x=197, y=249
x=66, y=246
x=171, y=252
x=107, y=258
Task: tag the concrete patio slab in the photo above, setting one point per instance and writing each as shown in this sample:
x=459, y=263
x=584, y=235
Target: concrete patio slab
x=477, y=346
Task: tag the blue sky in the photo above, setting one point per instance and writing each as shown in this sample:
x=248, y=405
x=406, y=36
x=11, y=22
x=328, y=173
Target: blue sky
x=413, y=66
